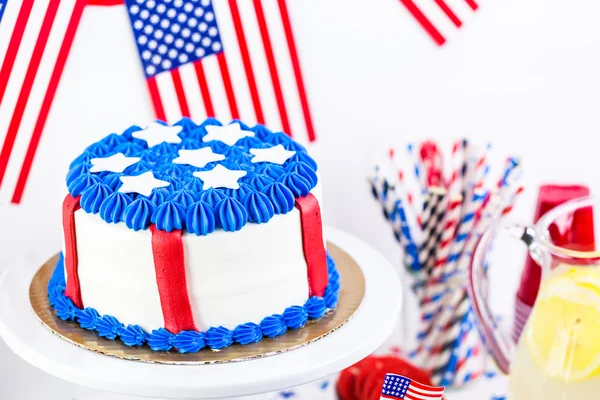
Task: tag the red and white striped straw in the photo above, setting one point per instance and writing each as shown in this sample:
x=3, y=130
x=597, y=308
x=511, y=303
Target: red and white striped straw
x=450, y=225
x=457, y=156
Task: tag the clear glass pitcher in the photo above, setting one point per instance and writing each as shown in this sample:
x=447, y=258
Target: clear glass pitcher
x=558, y=354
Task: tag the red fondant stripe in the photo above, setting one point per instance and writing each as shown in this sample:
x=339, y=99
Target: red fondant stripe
x=36, y=135
x=208, y=106
x=241, y=37
x=312, y=244
x=228, y=86
x=169, y=264
x=266, y=39
x=72, y=291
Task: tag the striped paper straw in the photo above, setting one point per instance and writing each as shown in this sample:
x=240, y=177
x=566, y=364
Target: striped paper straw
x=482, y=167
x=471, y=362
x=450, y=225
x=442, y=341
x=411, y=252
x=433, y=216
x=418, y=168
x=465, y=227
x=457, y=158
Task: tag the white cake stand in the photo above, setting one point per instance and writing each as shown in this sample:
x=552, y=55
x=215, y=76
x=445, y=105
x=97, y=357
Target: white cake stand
x=365, y=332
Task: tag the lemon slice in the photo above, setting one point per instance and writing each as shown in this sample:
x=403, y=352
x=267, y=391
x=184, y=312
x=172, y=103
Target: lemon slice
x=563, y=335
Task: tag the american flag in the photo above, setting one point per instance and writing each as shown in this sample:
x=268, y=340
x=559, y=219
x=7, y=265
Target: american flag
x=440, y=18
x=400, y=387
x=35, y=39
x=231, y=59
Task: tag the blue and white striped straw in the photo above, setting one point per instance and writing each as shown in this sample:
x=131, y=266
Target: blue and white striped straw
x=418, y=168
x=411, y=250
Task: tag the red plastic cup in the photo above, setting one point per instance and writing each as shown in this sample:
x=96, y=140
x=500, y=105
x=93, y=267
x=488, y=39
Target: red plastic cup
x=576, y=233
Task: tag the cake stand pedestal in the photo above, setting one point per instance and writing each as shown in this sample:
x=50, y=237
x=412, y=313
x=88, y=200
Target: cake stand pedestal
x=373, y=323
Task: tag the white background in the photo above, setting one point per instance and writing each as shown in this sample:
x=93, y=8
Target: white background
x=521, y=73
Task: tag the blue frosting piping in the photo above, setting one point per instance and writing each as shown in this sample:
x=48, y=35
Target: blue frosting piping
x=297, y=174
x=231, y=214
x=218, y=338
x=113, y=207
x=92, y=197
x=240, y=193
x=273, y=326
x=161, y=340
x=88, y=318
x=169, y=216
x=137, y=215
x=293, y=317
x=260, y=209
x=273, y=171
x=133, y=335
x=247, y=333
x=212, y=196
x=305, y=171
x=259, y=181
x=299, y=186
x=315, y=307
x=82, y=182
x=183, y=197
x=200, y=218
x=113, y=180
x=189, y=341
x=77, y=170
x=281, y=197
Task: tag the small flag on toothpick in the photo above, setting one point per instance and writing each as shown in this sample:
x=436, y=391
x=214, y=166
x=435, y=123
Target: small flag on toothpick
x=401, y=387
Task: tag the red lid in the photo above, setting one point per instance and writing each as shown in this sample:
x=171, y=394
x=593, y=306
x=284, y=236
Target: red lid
x=576, y=233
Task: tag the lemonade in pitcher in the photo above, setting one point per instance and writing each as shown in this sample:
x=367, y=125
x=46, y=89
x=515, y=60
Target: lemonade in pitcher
x=558, y=354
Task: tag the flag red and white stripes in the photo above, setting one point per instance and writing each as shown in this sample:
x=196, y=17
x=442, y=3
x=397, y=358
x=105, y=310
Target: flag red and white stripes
x=440, y=18
x=253, y=74
x=35, y=39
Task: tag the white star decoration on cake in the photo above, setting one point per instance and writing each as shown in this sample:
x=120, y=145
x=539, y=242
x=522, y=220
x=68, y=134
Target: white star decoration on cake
x=276, y=154
x=142, y=184
x=198, y=158
x=157, y=133
x=220, y=177
x=115, y=163
x=228, y=134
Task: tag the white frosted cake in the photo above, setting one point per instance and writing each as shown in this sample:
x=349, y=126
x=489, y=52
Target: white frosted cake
x=191, y=236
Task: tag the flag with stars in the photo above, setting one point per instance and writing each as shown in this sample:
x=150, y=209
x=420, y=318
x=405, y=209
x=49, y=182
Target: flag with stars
x=400, y=387
x=233, y=59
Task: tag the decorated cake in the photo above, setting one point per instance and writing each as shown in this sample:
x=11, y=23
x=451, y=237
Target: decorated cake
x=193, y=236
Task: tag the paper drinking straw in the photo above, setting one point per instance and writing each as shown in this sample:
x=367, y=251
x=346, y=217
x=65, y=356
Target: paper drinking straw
x=418, y=168
x=465, y=227
x=431, y=218
x=457, y=159
x=450, y=225
x=482, y=168
x=410, y=249
x=433, y=163
x=443, y=340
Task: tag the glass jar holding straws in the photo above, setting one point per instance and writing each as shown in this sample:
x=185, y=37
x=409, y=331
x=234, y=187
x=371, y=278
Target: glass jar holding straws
x=437, y=218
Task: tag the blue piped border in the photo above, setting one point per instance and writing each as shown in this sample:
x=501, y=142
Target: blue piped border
x=215, y=338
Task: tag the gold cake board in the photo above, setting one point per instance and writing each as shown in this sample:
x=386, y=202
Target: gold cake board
x=351, y=294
